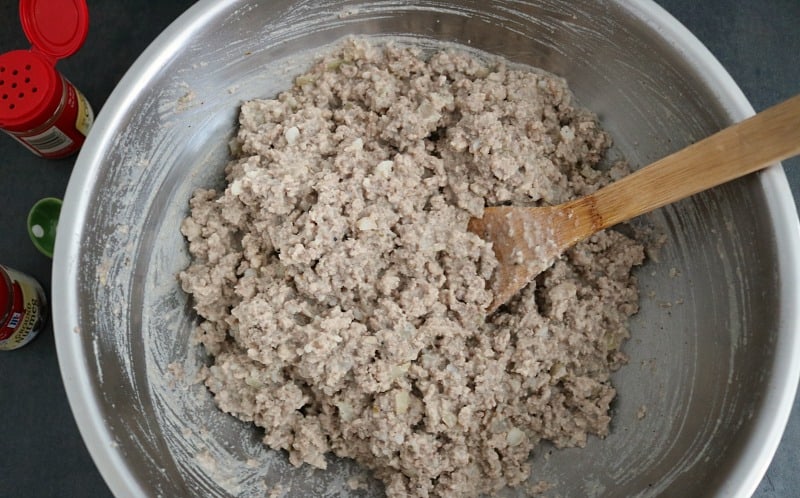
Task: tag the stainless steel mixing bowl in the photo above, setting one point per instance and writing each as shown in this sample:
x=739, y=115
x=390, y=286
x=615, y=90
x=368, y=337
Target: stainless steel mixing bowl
x=715, y=352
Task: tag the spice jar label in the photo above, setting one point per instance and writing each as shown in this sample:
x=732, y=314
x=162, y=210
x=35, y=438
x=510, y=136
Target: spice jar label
x=49, y=142
x=85, y=114
x=26, y=312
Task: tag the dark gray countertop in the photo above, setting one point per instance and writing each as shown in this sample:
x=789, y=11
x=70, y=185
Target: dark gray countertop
x=41, y=451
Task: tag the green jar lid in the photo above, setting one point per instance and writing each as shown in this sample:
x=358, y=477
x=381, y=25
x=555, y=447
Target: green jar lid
x=43, y=223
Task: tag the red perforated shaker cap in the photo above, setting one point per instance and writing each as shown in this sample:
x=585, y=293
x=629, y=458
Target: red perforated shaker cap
x=30, y=87
x=30, y=90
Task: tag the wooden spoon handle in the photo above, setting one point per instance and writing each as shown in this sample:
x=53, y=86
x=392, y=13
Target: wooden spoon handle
x=755, y=143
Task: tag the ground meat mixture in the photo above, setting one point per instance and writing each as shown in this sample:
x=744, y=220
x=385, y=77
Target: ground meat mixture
x=342, y=298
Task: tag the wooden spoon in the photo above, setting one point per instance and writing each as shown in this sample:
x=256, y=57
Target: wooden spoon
x=527, y=240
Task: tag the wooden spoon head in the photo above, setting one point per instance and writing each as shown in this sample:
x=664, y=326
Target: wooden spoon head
x=526, y=241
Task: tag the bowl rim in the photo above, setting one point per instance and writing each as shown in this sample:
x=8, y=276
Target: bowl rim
x=758, y=450
x=760, y=447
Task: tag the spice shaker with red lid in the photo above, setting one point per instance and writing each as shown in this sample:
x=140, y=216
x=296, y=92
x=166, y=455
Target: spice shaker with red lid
x=38, y=106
